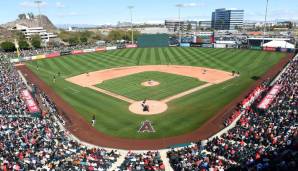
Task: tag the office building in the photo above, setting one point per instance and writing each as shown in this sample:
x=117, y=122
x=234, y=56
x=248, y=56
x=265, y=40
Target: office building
x=227, y=19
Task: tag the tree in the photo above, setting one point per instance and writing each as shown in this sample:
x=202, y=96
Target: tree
x=115, y=35
x=31, y=15
x=73, y=41
x=84, y=39
x=86, y=34
x=189, y=27
x=290, y=26
x=122, y=35
x=20, y=36
x=22, y=16
x=74, y=38
x=97, y=36
x=23, y=44
x=8, y=46
x=36, y=41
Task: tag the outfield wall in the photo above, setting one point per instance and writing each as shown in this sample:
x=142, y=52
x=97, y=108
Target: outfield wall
x=55, y=54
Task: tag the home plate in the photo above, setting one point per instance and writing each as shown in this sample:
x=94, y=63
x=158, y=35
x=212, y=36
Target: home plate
x=154, y=107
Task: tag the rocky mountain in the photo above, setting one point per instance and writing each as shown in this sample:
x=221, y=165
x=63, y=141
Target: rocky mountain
x=32, y=21
x=5, y=34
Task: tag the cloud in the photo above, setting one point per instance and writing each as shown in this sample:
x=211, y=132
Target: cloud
x=27, y=4
x=60, y=5
x=190, y=5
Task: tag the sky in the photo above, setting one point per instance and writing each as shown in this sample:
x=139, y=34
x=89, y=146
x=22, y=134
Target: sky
x=100, y=12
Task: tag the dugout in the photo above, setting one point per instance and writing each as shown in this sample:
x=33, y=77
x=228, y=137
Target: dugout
x=153, y=40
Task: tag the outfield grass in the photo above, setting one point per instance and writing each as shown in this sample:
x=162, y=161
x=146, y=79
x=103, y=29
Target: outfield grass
x=184, y=114
x=130, y=86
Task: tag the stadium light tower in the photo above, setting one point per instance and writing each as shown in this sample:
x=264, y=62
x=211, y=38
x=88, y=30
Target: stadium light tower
x=265, y=23
x=38, y=3
x=131, y=25
x=179, y=6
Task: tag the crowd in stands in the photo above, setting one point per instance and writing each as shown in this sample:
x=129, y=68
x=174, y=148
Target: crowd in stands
x=41, y=51
x=149, y=161
x=261, y=140
x=10, y=86
x=193, y=158
x=30, y=142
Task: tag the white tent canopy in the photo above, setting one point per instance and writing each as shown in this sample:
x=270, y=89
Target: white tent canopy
x=279, y=44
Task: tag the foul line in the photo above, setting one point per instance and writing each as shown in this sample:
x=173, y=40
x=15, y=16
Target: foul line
x=187, y=92
x=112, y=94
x=229, y=85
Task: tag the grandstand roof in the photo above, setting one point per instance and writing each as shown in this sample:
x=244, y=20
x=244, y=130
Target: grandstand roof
x=279, y=44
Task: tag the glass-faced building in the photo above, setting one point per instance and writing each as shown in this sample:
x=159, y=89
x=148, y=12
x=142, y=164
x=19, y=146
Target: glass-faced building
x=227, y=19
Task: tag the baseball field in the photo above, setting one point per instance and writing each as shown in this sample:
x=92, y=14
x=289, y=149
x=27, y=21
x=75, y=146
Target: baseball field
x=78, y=81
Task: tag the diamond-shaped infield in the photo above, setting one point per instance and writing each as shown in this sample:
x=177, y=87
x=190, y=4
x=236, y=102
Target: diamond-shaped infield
x=152, y=85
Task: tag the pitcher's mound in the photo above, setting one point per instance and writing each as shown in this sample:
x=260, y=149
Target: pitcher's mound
x=150, y=83
x=154, y=107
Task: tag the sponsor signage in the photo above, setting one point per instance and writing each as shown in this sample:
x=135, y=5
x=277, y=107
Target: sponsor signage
x=75, y=52
x=30, y=103
x=272, y=49
x=267, y=100
x=100, y=49
x=88, y=50
x=184, y=44
x=112, y=48
x=62, y=53
x=53, y=54
x=131, y=45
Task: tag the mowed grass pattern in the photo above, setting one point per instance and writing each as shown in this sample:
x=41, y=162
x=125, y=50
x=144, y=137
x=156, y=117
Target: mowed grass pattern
x=130, y=86
x=184, y=114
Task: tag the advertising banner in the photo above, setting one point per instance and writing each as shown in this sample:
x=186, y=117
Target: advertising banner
x=100, y=49
x=76, y=52
x=207, y=45
x=184, y=44
x=267, y=100
x=195, y=45
x=88, y=50
x=271, y=49
x=14, y=60
x=255, y=47
x=30, y=103
x=131, y=45
x=111, y=48
x=62, y=53
x=28, y=58
x=40, y=56
x=216, y=45
x=33, y=57
x=283, y=49
x=202, y=39
x=26, y=95
x=53, y=54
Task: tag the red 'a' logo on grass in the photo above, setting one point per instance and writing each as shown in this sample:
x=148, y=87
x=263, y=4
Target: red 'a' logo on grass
x=146, y=126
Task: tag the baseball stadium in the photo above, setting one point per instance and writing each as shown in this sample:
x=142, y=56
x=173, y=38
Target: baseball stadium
x=184, y=100
x=109, y=86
